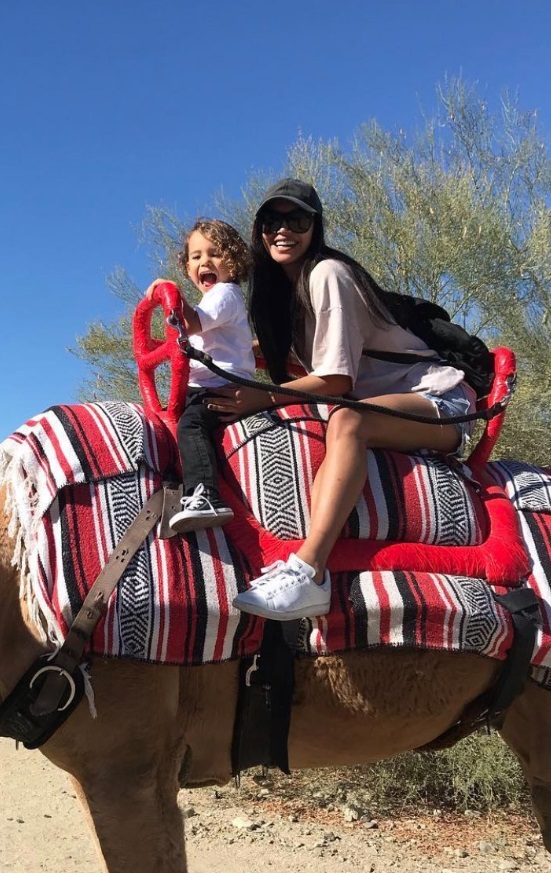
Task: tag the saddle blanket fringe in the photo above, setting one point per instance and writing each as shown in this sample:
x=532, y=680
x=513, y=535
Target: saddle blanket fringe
x=77, y=477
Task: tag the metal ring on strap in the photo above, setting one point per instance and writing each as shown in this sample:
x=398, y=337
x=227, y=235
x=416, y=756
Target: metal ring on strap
x=52, y=668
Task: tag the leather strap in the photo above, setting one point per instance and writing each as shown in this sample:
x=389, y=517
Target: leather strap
x=172, y=500
x=94, y=606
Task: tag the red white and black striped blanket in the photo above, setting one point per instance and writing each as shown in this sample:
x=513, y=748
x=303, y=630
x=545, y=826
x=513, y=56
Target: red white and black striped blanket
x=78, y=475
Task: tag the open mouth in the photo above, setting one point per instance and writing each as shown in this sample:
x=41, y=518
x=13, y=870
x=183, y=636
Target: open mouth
x=208, y=279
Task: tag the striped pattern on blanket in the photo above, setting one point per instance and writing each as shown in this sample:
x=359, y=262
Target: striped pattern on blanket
x=173, y=603
x=418, y=610
x=76, y=478
x=415, y=498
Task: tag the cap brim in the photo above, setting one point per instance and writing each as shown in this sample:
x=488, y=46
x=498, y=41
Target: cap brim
x=294, y=200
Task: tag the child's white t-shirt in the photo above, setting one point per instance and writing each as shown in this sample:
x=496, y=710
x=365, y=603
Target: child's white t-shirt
x=225, y=336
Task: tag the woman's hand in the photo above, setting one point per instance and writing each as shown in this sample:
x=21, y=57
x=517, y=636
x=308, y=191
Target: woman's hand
x=150, y=290
x=232, y=403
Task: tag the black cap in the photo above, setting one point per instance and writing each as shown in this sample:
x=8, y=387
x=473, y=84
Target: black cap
x=298, y=192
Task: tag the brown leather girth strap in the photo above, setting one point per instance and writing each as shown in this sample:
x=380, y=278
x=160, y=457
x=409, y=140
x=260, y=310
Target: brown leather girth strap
x=95, y=604
x=172, y=496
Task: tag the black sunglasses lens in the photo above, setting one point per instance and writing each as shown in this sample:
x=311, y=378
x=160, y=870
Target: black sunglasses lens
x=271, y=222
x=297, y=221
x=300, y=222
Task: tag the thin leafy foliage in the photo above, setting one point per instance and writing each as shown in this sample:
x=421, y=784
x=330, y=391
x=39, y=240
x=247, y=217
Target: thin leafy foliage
x=457, y=211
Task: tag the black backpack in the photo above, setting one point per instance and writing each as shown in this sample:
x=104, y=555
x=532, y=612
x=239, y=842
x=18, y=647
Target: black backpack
x=433, y=325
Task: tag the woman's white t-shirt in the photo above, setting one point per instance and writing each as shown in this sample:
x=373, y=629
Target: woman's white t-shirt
x=341, y=326
x=225, y=336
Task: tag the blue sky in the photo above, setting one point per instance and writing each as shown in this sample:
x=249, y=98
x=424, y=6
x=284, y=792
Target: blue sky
x=111, y=106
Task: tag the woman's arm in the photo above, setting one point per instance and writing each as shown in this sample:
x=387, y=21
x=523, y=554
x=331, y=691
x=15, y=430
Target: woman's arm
x=232, y=401
x=334, y=386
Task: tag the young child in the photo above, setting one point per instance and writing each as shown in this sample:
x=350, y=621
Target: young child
x=216, y=260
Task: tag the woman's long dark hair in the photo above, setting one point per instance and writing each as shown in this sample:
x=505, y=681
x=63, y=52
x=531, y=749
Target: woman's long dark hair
x=277, y=305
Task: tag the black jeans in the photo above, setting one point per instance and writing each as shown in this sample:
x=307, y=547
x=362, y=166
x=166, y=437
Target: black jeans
x=195, y=430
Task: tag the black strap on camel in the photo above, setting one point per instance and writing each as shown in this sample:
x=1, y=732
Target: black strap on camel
x=263, y=717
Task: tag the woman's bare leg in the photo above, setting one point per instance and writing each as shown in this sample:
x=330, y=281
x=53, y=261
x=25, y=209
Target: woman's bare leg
x=341, y=477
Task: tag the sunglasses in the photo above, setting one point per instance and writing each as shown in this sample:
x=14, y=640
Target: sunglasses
x=297, y=221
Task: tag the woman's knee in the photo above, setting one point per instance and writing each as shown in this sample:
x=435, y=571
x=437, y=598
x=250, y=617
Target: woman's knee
x=346, y=423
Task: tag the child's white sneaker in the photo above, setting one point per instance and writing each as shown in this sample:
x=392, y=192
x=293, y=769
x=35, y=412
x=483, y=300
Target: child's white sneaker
x=200, y=510
x=286, y=591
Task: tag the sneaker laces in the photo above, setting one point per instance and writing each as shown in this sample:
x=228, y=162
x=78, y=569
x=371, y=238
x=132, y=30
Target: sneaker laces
x=274, y=569
x=194, y=501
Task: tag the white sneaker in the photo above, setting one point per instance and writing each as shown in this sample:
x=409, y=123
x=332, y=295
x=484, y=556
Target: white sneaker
x=200, y=510
x=286, y=591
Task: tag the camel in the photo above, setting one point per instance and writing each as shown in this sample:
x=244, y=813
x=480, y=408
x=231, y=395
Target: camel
x=158, y=726
x=151, y=719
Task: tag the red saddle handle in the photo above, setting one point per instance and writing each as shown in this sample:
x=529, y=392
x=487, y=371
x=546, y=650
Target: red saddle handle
x=505, y=371
x=151, y=352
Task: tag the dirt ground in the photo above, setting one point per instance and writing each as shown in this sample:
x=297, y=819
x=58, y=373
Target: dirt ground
x=266, y=825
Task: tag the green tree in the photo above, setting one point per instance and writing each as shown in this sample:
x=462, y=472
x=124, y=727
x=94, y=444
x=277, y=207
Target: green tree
x=457, y=211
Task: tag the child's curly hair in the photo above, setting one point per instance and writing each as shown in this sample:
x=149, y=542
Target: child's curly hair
x=233, y=250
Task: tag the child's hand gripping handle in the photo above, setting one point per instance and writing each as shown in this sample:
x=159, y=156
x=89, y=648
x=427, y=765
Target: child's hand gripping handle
x=150, y=352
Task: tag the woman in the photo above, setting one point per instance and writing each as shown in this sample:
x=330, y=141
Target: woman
x=320, y=304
